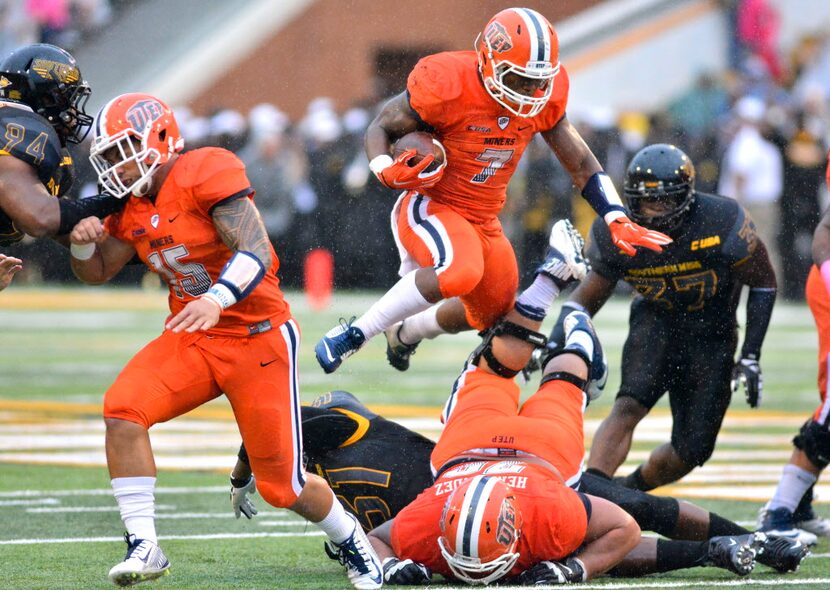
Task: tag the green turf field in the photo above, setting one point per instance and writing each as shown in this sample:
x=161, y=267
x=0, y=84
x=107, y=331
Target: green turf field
x=59, y=526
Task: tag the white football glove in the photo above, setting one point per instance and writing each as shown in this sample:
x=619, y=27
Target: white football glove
x=240, y=500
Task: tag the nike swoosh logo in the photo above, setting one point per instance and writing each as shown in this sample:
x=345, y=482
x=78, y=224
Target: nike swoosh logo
x=525, y=127
x=261, y=364
x=328, y=351
x=172, y=219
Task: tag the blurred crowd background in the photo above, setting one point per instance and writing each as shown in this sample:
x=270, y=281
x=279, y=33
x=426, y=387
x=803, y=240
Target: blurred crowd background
x=758, y=131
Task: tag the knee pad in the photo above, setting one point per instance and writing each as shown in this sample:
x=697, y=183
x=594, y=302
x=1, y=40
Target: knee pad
x=485, y=349
x=459, y=279
x=814, y=440
x=277, y=495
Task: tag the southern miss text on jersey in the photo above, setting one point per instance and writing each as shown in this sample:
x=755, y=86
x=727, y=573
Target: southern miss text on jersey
x=27, y=136
x=693, y=279
x=380, y=466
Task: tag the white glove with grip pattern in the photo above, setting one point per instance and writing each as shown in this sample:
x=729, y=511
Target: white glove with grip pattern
x=240, y=498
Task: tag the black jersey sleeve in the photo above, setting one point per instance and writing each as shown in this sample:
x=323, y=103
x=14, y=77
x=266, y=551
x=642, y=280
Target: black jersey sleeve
x=602, y=253
x=742, y=238
x=30, y=138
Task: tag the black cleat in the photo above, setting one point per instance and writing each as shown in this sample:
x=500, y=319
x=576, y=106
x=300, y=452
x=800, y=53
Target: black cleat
x=397, y=352
x=736, y=554
x=780, y=553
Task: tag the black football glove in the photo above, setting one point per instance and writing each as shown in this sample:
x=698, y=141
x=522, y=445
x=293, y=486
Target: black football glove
x=747, y=372
x=405, y=572
x=570, y=571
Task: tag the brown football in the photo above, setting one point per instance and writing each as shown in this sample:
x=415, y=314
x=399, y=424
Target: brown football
x=421, y=142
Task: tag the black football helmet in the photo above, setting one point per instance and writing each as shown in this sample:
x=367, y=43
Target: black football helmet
x=659, y=186
x=47, y=79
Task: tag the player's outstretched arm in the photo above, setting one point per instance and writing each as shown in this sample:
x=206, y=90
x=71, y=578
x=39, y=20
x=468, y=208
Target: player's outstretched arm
x=9, y=265
x=96, y=256
x=585, y=170
x=25, y=200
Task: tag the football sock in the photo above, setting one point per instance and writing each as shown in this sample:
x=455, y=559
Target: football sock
x=794, y=482
x=719, y=527
x=598, y=473
x=421, y=326
x=399, y=302
x=535, y=301
x=137, y=505
x=673, y=555
x=337, y=524
x=635, y=481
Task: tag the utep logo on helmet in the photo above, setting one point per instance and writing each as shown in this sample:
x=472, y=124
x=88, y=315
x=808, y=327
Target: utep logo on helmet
x=506, y=533
x=497, y=38
x=143, y=113
x=53, y=70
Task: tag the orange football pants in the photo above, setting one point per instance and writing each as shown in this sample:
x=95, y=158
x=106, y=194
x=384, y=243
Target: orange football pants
x=176, y=373
x=819, y=301
x=484, y=413
x=474, y=262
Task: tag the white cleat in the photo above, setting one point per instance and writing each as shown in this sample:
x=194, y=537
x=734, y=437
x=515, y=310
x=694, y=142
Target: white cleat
x=564, y=262
x=362, y=564
x=144, y=561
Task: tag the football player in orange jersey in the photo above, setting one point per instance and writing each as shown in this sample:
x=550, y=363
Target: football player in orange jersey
x=484, y=106
x=191, y=219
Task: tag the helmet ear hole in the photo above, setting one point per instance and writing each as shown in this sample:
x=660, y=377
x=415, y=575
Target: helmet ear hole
x=163, y=134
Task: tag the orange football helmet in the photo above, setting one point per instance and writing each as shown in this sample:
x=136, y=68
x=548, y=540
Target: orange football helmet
x=522, y=42
x=480, y=529
x=135, y=128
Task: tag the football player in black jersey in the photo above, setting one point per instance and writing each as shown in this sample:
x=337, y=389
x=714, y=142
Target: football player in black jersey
x=42, y=100
x=683, y=321
x=376, y=467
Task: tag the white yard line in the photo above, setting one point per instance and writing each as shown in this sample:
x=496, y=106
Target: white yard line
x=108, y=492
x=313, y=533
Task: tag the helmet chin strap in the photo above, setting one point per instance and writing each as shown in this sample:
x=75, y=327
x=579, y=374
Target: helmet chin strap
x=143, y=188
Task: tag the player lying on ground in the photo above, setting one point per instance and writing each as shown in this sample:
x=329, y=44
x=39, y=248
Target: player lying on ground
x=356, y=448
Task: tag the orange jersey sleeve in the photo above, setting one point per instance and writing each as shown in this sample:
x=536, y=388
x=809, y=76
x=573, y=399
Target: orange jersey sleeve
x=483, y=140
x=554, y=515
x=215, y=176
x=175, y=236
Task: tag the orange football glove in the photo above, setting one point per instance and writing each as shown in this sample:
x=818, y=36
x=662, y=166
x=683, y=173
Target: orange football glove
x=398, y=175
x=626, y=234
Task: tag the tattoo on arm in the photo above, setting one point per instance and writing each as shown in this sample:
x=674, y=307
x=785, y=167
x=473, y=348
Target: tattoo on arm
x=241, y=228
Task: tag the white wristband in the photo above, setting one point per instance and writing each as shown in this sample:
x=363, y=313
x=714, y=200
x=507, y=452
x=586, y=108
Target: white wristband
x=380, y=163
x=220, y=295
x=82, y=251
